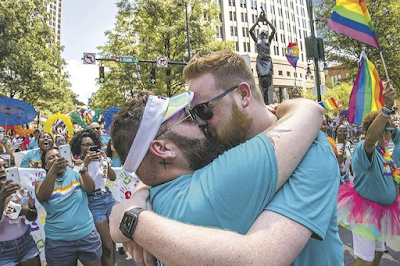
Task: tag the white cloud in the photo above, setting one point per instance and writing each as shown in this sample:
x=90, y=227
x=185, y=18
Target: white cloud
x=82, y=78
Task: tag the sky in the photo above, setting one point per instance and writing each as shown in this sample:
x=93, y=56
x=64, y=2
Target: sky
x=82, y=30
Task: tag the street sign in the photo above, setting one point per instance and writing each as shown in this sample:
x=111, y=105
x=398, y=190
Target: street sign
x=89, y=58
x=128, y=59
x=162, y=61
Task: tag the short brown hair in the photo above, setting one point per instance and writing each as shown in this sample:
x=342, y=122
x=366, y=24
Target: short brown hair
x=228, y=68
x=126, y=124
x=368, y=119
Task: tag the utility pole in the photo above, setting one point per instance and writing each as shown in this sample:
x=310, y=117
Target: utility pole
x=187, y=30
x=314, y=44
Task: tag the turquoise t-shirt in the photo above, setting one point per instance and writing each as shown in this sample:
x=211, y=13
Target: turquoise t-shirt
x=396, y=150
x=309, y=197
x=116, y=162
x=31, y=157
x=68, y=215
x=369, y=181
x=230, y=193
x=33, y=144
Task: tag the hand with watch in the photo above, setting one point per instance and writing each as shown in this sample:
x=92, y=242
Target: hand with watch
x=124, y=216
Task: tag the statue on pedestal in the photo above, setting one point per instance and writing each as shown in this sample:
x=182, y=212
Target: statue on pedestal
x=264, y=65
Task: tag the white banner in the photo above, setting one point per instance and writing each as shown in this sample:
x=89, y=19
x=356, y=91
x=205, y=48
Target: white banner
x=122, y=189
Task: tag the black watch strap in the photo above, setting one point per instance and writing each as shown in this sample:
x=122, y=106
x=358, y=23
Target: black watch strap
x=129, y=221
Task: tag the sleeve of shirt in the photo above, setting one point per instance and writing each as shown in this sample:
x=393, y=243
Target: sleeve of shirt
x=242, y=181
x=25, y=160
x=360, y=158
x=396, y=138
x=309, y=197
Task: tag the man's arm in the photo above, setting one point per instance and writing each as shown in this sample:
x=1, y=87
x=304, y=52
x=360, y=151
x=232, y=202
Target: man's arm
x=265, y=243
x=300, y=121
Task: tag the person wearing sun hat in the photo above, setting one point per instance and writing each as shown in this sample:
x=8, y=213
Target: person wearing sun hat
x=168, y=151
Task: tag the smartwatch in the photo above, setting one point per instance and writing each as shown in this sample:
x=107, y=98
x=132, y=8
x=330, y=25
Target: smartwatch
x=129, y=221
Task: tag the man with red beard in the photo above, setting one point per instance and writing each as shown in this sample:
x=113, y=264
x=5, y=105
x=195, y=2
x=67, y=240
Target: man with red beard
x=230, y=192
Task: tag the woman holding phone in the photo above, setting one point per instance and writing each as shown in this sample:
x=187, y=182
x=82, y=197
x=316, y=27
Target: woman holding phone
x=86, y=149
x=69, y=227
x=17, y=246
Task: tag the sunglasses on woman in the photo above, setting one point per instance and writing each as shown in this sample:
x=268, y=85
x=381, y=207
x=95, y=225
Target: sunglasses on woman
x=203, y=111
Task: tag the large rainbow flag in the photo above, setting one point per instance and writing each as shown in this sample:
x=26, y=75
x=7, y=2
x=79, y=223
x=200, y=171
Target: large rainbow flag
x=366, y=95
x=351, y=17
x=329, y=104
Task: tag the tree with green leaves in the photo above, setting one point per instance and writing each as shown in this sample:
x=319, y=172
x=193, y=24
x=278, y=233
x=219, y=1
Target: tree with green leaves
x=149, y=28
x=343, y=49
x=31, y=66
x=339, y=91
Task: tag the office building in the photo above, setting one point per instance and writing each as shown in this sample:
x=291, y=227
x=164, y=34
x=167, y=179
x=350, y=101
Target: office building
x=54, y=7
x=290, y=18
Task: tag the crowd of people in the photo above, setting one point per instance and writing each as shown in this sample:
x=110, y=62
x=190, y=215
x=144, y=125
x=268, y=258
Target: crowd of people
x=226, y=176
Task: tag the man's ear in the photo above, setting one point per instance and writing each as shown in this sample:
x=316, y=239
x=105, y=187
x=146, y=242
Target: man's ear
x=245, y=93
x=162, y=149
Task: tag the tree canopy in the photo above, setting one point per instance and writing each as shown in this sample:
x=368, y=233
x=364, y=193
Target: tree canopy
x=343, y=49
x=31, y=67
x=149, y=28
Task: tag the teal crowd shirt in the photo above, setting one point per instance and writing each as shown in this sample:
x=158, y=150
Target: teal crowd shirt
x=309, y=198
x=369, y=181
x=229, y=193
x=30, y=157
x=396, y=149
x=68, y=215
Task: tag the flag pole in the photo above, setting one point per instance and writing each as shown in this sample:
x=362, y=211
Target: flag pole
x=384, y=65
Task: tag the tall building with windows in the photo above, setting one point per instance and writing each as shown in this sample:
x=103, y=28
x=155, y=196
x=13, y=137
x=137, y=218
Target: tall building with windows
x=54, y=7
x=291, y=20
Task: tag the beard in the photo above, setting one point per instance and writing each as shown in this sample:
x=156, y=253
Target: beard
x=198, y=152
x=236, y=130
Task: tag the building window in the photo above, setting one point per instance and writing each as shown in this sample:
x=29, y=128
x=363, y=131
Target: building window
x=288, y=73
x=248, y=47
x=280, y=73
x=237, y=46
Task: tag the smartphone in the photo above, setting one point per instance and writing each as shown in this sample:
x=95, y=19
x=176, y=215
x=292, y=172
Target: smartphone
x=65, y=152
x=93, y=148
x=1, y=136
x=12, y=174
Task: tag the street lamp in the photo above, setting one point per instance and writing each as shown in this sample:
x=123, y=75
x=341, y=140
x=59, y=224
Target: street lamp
x=187, y=25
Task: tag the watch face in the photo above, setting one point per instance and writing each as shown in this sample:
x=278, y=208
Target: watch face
x=126, y=223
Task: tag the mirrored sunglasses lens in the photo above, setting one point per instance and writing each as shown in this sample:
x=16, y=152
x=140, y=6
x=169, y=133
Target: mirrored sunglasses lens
x=203, y=111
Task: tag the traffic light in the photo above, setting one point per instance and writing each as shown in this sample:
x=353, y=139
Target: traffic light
x=153, y=75
x=101, y=74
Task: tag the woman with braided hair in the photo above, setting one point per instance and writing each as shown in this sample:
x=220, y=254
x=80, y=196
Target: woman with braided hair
x=86, y=149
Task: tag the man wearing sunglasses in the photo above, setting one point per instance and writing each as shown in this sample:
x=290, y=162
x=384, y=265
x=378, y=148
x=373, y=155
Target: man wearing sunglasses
x=229, y=193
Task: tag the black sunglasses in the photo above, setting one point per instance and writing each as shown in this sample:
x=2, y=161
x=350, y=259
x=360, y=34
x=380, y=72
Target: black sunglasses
x=203, y=111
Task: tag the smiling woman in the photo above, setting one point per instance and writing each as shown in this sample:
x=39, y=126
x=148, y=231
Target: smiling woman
x=32, y=158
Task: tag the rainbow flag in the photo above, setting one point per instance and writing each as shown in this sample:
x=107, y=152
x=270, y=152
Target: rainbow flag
x=329, y=104
x=292, y=54
x=366, y=95
x=351, y=17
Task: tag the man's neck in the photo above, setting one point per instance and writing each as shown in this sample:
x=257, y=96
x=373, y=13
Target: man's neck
x=262, y=119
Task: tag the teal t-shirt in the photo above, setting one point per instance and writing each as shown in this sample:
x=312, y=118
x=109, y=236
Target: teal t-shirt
x=309, y=197
x=369, y=181
x=31, y=157
x=68, y=215
x=229, y=193
x=33, y=144
x=396, y=149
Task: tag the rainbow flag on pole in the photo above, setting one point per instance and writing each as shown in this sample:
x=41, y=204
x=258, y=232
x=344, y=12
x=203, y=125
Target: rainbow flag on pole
x=366, y=95
x=351, y=17
x=329, y=104
x=292, y=54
